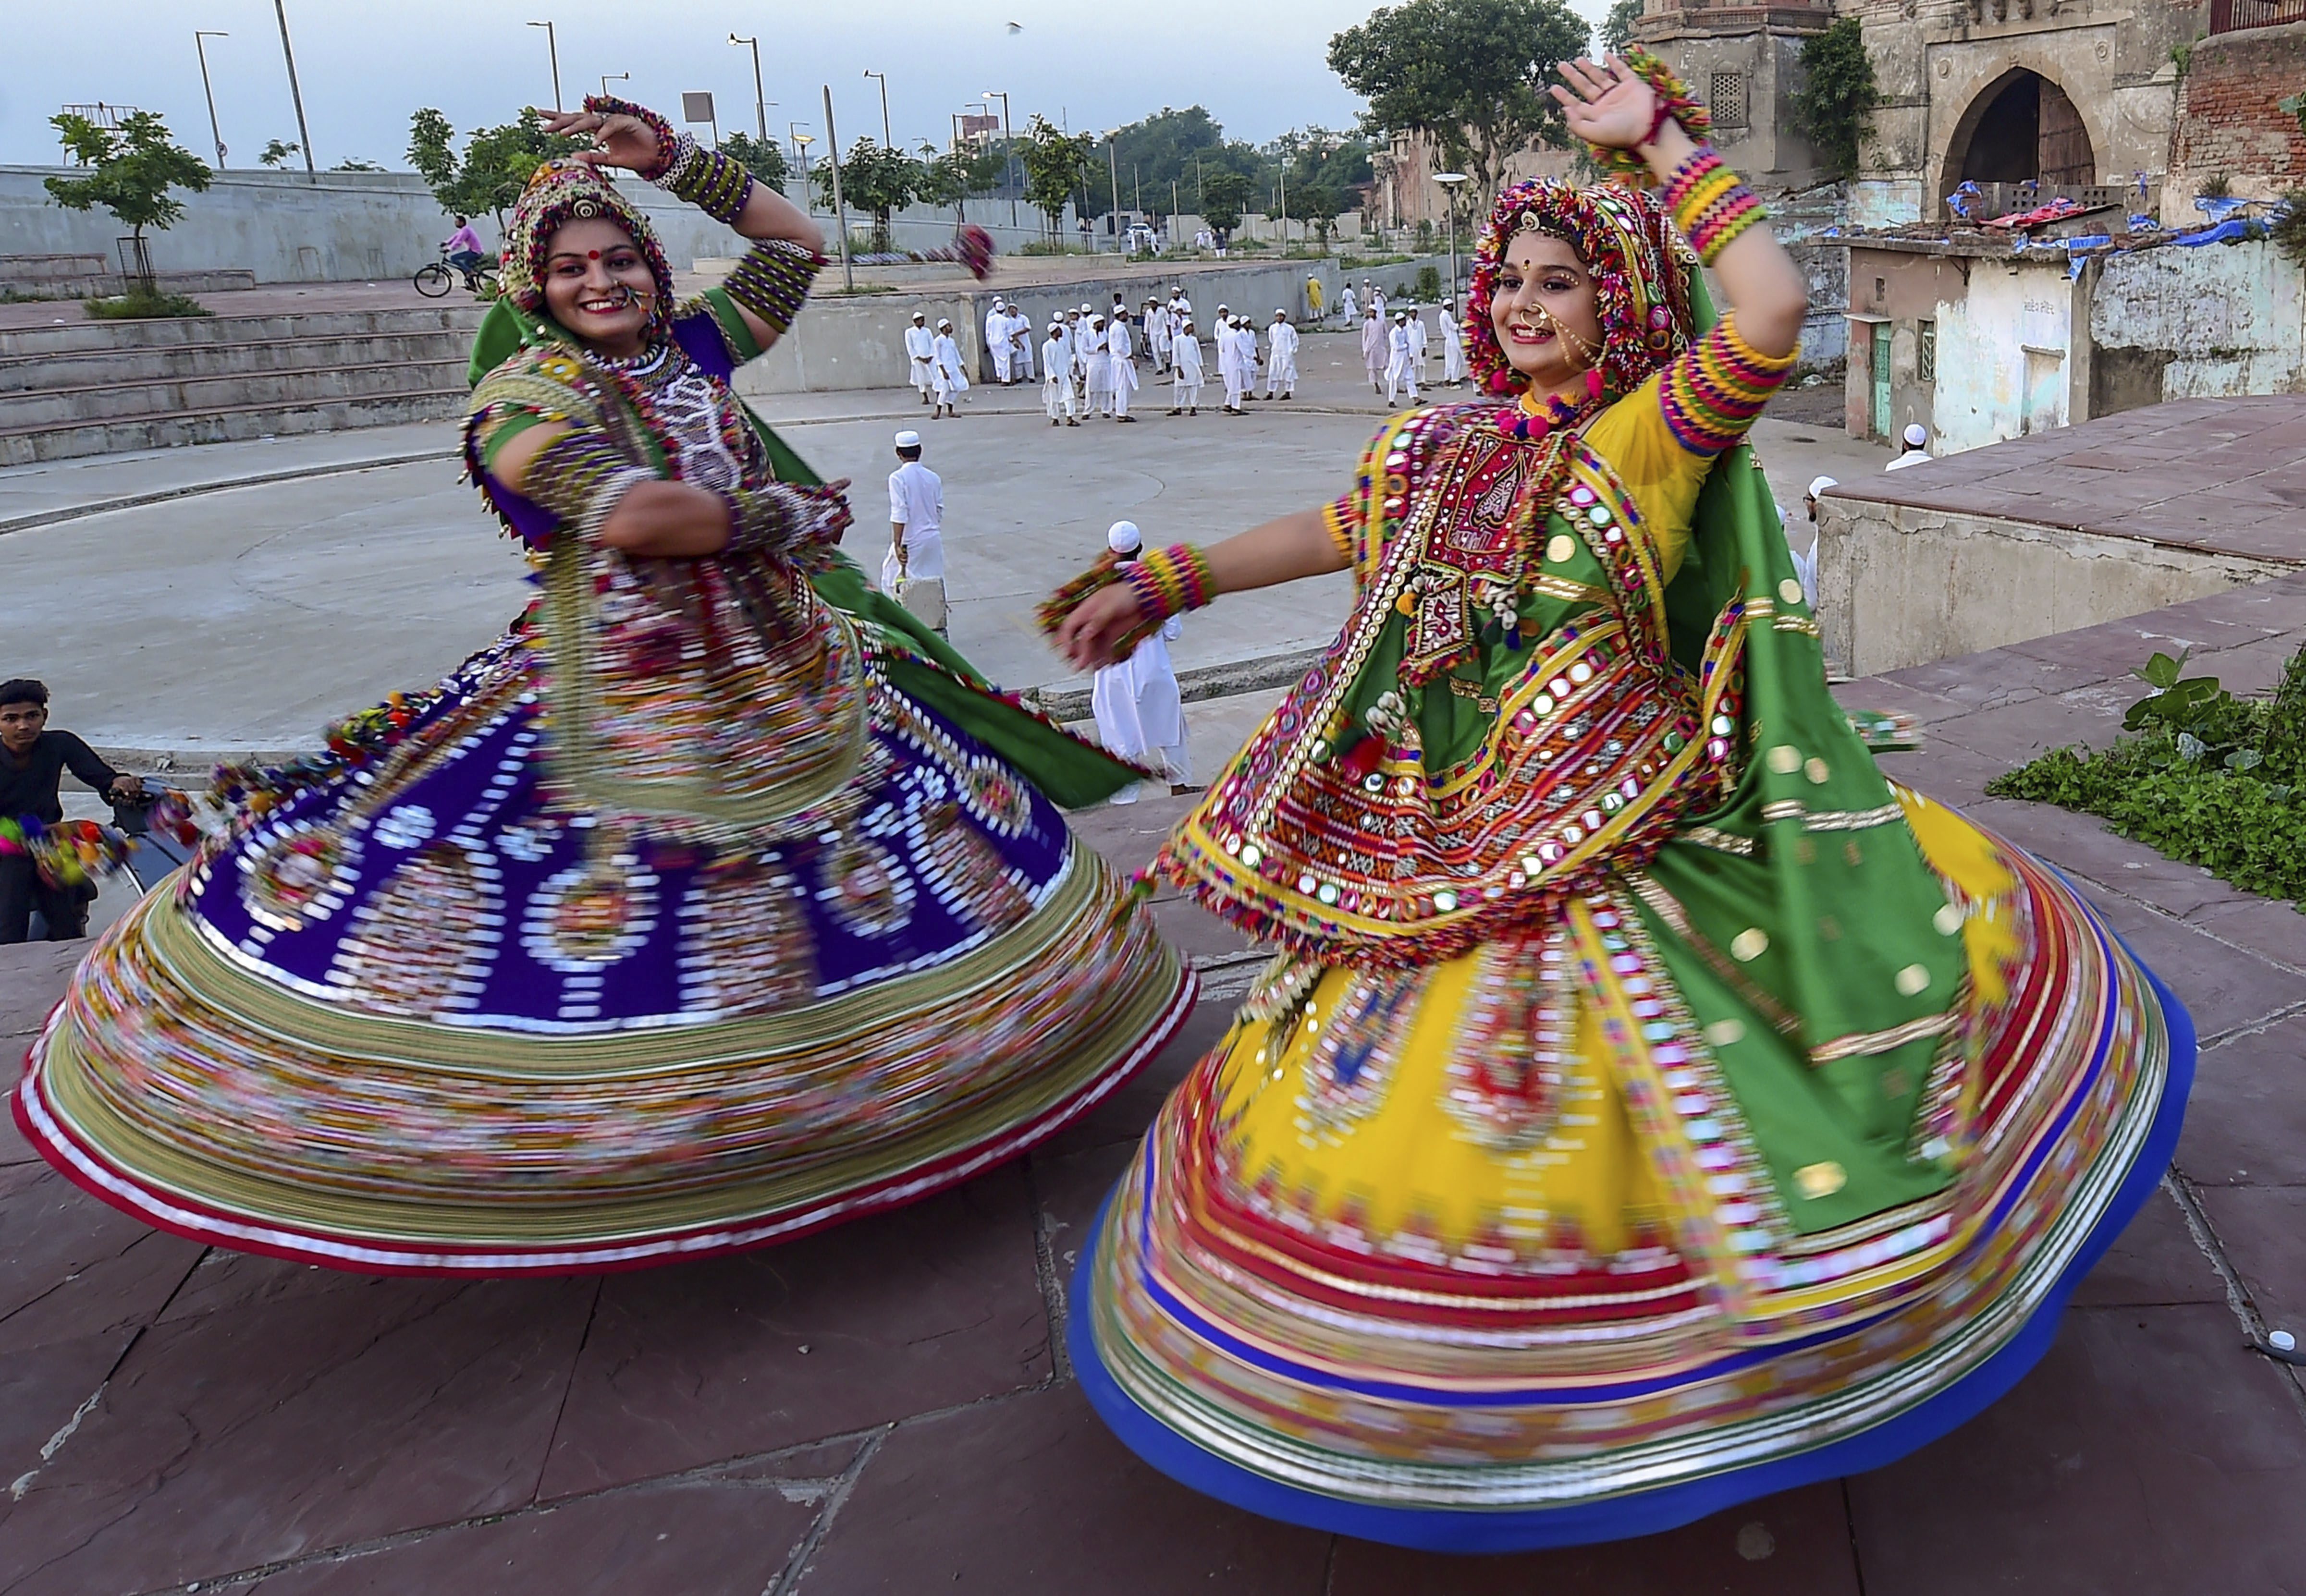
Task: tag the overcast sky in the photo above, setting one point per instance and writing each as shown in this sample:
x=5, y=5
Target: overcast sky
x=365, y=64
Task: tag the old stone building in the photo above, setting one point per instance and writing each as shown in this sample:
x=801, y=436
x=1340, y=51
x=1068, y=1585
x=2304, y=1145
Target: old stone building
x=2065, y=91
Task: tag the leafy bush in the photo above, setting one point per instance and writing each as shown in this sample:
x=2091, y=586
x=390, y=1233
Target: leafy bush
x=2207, y=778
x=1429, y=286
x=1834, y=108
x=140, y=303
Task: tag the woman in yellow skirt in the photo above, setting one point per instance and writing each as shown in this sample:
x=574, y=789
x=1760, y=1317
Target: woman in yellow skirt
x=1650, y=1107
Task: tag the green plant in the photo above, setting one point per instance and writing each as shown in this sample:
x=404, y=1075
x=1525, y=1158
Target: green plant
x=2203, y=776
x=277, y=154
x=135, y=167
x=2218, y=185
x=874, y=180
x=764, y=159
x=142, y=302
x=1834, y=108
x=1471, y=75
x=2288, y=227
x=1054, y=162
x=1223, y=196
x=1618, y=26
x=2182, y=56
x=1428, y=290
x=496, y=165
x=357, y=165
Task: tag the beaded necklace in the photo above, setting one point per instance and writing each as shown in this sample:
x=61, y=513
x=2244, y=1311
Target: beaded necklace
x=640, y=380
x=1526, y=423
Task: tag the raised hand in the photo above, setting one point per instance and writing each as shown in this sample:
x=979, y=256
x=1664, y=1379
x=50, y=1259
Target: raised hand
x=1606, y=104
x=619, y=139
x=1088, y=637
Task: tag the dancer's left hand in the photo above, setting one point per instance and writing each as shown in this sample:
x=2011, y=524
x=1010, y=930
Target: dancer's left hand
x=619, y=139
x=1089, y=638
x=1606, y=104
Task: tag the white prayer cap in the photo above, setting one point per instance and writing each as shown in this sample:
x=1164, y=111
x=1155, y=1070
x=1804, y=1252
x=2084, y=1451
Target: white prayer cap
x=943, y=323
x=1087, y=307
x=1123, y=538
x=996, y=302
x=1277, y=311
x=908, y=438
x=918, y=316
x=1916, y=434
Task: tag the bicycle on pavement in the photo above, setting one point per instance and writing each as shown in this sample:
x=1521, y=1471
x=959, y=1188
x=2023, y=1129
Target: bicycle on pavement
x=436, y=279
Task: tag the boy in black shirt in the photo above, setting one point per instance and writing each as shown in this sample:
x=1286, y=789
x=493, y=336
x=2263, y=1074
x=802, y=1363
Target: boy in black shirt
x=32, y=762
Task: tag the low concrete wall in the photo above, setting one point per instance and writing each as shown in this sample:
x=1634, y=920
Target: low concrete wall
x=360, y=226
x=1900, y=586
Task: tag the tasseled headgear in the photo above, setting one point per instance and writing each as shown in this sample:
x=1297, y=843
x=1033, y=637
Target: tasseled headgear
x=564, y=191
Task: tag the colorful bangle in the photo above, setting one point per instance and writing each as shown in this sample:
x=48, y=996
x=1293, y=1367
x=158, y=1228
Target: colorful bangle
x=717, y=184
x=1169, y=581
x=667, y=141
x=581, y=477
x=773, y=280
x=1709, y=204
x=1674, y=101
x=780, y=518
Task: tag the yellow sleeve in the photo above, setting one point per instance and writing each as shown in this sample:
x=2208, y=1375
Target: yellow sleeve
x=1663, y=438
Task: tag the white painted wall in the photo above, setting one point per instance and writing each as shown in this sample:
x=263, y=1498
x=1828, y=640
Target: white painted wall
x=2004, y=361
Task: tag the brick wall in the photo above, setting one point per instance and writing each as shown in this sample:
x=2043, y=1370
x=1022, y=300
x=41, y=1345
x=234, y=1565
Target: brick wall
x=2227, y=118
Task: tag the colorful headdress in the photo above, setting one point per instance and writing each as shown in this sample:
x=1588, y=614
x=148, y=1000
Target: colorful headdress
x=1640, y=267
x=564, y=191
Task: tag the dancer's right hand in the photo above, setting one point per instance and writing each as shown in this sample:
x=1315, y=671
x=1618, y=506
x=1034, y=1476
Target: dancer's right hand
x=619, y=138
x=1089, y=639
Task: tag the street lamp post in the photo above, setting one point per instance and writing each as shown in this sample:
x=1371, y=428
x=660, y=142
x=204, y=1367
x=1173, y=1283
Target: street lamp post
x=840, y=206
x=1449, y=181
x=888, y=140
x=289, y=53
x=801, y=143
x=605, y=76
x=1008, y=148
x=215, y=132
x=760, y=100
x=552, y=48
x=1113, y=170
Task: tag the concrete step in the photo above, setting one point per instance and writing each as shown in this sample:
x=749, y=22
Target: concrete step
x=227, y=424
x=43, y=408
x=104, y=283
x=81, y=335
x=113, y=368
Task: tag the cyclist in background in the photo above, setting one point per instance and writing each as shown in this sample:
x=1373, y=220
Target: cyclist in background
x=464, y=247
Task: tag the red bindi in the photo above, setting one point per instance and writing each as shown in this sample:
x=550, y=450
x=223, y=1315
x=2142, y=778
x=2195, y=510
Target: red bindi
x=592, y=254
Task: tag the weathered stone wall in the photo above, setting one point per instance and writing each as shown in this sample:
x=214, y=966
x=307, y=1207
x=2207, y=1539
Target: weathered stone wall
x=2228, y=122
x=2007, y=360
x=1899, y=585
x=2221, y=321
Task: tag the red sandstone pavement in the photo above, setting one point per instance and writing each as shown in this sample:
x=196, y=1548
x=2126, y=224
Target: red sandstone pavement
x=886, y=1408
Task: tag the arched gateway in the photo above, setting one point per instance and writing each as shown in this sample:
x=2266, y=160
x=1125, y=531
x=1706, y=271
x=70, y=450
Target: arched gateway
x=2021, y=125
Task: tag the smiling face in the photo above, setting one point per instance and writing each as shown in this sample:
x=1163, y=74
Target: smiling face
x=1543, y=289
x=597, y=284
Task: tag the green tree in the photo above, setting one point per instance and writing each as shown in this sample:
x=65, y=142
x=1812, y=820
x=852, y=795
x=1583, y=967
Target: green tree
x=277, y=154
x=874, y=180
x=954, y=176
x=1165, y=157
x=764, y=159
x=1222, y=195
x=1834, y=108
x=1054, y=162
x=495, y=166
x=136, y=164
x=1317, y=205
x=1618, y=28
x=1469, y=74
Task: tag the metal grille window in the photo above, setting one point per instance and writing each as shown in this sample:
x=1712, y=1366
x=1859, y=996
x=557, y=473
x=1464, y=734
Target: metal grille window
x=1727, y=100
x=1925, y=351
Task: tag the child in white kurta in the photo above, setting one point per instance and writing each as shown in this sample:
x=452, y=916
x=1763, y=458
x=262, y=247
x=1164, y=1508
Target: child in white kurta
x=1374, y=349
x=1057, y=378
x=920, y=355
x=1139, y=713
x=1281, y=358
x=1401, y=360
x=951, y=382
x=996, y=342
x=1097, y=375
x=1453, y=346
x=1185, y=370
x=1121, y=370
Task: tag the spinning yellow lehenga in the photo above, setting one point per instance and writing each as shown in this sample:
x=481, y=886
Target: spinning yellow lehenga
x=1653, y=1106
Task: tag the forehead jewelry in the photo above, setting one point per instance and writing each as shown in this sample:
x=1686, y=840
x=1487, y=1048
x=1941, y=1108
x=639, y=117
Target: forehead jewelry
x=592, y=254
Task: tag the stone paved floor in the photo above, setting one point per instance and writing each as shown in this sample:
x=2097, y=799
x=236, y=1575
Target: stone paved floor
x=887, y=1407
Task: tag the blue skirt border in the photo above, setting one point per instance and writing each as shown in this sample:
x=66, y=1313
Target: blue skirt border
x=1644, y=1513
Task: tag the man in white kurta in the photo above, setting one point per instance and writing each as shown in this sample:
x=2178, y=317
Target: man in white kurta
x=1057, y=378
x=1140, y=715
x=1185, y=370
x=1400, y=364
x=1348, y=307
x=1417, y=341
x=996, y=341
x=1121, y=368
x=1453, y=346
x=1088, y=348
x=920, y=353
x=1021, y=344
x=915, y=530
x=1158, y=333
x=1229, y=373
x=951, y=380
x=1281, y=358
x=1377, y=299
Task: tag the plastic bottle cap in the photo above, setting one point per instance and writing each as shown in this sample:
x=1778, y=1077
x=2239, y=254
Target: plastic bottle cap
x=2283, y=1341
